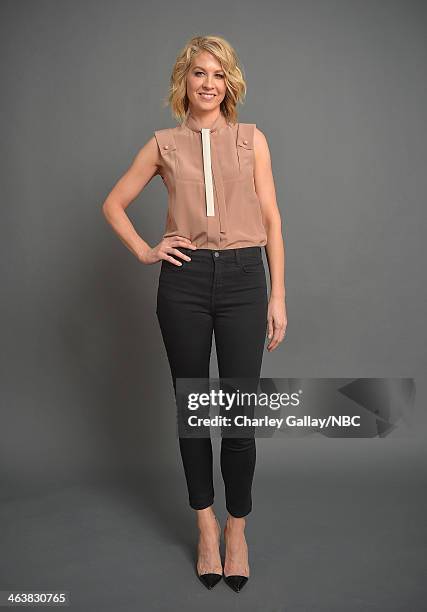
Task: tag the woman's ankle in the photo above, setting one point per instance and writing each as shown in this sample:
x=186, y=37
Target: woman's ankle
x=235, y=523
x=206, y=517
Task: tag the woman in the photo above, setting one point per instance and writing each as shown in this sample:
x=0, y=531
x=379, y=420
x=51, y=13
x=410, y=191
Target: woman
x=222, y=211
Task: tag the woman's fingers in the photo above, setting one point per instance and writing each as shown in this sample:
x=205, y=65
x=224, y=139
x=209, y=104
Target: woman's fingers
x=278, y=335
x=270, y=327
x=181, y=241
x=170, y=249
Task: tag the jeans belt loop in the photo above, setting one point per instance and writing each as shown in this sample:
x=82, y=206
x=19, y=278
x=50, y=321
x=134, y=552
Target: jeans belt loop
x=237, y=252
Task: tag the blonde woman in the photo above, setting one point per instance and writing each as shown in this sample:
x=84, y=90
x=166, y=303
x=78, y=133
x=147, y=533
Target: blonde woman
x=222, y=211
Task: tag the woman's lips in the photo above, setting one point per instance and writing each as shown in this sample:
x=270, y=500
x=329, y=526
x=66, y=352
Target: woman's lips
x=207, y=96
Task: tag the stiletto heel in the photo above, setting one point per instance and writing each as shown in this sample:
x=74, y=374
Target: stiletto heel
x=211, y=579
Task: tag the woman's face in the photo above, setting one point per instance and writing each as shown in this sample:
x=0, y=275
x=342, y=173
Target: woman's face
x=205, y=77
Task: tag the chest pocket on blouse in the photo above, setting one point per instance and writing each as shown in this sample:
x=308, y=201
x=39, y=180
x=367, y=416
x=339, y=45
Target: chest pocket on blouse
x=245, y=146
x=167, y=148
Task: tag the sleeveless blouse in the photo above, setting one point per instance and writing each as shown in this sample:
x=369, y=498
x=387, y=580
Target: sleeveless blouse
x=209, y=176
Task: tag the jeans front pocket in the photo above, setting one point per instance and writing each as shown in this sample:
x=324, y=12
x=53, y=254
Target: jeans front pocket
x=252, y=267
x=168, y=265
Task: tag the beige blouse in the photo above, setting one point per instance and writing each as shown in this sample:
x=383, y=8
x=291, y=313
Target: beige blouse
x=209, y=177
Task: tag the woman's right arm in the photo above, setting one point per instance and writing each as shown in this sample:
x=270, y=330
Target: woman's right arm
x=145, y=165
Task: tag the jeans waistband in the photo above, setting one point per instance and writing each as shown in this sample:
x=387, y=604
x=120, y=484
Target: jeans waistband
x=238, y=255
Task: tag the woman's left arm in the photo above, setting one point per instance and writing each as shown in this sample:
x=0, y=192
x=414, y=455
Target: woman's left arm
x=275, y=247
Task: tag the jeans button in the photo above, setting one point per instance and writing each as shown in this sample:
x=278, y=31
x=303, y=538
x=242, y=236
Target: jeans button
x=216, y=254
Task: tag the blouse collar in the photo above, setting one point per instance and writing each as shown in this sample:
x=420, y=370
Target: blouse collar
x=193, y=124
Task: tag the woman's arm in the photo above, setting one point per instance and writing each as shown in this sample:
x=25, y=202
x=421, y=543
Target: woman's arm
x=275, y=247
x=145, y=165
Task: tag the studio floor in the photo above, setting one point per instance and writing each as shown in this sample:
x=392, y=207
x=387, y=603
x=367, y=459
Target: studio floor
x=335, y=526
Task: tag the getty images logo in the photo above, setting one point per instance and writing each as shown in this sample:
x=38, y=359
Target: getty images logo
x=226, y=400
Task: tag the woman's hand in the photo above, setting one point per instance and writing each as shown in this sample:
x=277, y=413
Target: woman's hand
x=166, y=248
x=277, y=321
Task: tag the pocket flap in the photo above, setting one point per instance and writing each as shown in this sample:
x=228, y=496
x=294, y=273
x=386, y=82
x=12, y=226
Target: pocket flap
x=168, y=146
x=243, y=142
x=165, y=140
x=245, y=136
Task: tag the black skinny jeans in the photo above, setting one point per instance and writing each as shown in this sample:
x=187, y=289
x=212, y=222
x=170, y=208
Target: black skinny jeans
x=224, y=292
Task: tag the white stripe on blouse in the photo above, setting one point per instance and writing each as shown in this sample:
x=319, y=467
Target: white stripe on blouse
x=207, y=169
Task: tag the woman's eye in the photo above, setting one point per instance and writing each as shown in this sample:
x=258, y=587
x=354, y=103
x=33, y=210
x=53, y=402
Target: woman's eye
x=221, y=76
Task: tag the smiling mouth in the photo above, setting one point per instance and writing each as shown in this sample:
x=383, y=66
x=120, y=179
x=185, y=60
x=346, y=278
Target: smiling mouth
x=207, y=96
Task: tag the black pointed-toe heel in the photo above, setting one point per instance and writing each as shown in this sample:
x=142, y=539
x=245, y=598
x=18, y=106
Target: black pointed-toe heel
x=236, y=582
x=210, y=579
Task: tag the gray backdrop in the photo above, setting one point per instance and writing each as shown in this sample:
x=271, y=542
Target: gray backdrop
x=339, y=90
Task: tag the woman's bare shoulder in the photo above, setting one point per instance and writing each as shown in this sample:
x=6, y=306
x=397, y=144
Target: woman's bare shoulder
x=259, y=137
x=261, y=147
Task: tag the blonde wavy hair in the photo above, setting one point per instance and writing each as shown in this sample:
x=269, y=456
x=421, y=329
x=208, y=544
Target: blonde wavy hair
x=233, y=71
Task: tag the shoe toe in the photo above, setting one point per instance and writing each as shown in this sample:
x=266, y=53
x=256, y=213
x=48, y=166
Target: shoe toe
x=236, y=582
x=210, y=580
